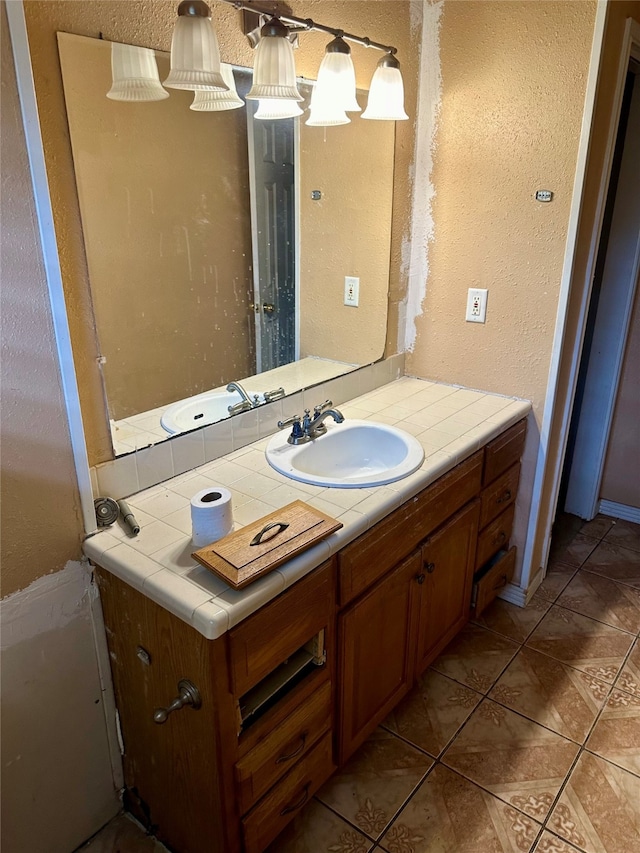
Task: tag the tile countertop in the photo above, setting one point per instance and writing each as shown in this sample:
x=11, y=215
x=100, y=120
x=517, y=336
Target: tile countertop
x=450, y=422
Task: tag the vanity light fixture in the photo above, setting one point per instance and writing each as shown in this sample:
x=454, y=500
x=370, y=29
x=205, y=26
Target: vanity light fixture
x=274, y=108
x=134, y=72
x=386, y=95
x=324, y=111
x=206, y=101
x=337, y=77
x=195, y=56
x=274, y=70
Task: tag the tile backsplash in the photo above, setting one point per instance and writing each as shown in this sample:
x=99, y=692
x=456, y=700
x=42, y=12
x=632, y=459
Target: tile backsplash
x=144, y=468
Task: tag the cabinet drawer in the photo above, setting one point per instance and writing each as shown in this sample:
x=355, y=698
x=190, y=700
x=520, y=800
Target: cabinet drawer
x=282, y=747
x=498, y=576
x=503, y=452
x=495, y=536
x=287, y=797
x=499, y=495
x=263, y=641
x=374, y=553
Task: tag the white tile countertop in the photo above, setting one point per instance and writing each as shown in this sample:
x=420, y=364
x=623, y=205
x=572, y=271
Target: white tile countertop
x=450, y=422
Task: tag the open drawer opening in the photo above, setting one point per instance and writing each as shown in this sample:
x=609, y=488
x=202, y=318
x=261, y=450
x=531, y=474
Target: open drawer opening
x=281, y=681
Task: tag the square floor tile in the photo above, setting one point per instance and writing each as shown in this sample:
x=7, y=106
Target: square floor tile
x=598, y=527
x=433, y=712
x=629, y=678
x=476, y=657
x=575, y=552
x=550, y=843
x=375, y=782
x=557, y=577
x=449, y=814
x=551, y=693
x=579, y=641
x=613, y=561
x=318, y=830
x=599, y=809
x=514, y=758
x=624, y=533
x=616, y=735
x=513, y=621
x=605, y=600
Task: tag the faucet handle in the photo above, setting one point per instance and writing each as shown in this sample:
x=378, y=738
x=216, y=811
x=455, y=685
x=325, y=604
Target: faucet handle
x=317, y=410
x=292, y=421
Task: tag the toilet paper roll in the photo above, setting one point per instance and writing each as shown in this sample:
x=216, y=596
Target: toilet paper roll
x=211, y=515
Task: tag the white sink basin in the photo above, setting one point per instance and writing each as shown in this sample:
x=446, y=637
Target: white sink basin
x=200, y=410
x=351, y=455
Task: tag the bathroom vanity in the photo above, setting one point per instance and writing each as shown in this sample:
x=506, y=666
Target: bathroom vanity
x=291, y=690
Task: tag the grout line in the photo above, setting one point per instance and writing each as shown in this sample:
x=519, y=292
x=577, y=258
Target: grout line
x=615, y=580
x=600, y=621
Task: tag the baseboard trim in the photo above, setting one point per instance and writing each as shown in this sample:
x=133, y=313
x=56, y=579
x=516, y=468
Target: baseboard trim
x=615, y=510
x=514, y=594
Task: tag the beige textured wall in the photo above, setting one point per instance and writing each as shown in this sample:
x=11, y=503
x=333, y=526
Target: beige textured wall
x=617, y=14
x=164, y=200
x=41, y=521
x=150, y=23
x=346, y=232
x=620, y=481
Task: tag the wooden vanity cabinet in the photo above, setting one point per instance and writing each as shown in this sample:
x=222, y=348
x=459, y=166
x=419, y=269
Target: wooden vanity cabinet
x=289, y=693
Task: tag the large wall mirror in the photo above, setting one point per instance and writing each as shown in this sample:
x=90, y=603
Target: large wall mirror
x=217, y=247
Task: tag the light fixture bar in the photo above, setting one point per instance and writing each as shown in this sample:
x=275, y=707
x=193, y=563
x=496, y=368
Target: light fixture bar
x=309, y=25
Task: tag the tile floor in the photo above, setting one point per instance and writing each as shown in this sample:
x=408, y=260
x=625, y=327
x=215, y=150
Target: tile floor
x=523, y=736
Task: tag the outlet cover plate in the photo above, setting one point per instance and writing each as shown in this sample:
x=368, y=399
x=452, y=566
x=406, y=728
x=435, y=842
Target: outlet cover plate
x=476, y=305
x=351, y=290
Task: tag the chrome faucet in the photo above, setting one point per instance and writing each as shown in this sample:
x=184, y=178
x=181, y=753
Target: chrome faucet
x=245, y=404
x=307, y=428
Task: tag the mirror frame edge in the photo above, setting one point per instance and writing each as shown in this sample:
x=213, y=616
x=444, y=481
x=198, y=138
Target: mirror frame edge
x=50, y=255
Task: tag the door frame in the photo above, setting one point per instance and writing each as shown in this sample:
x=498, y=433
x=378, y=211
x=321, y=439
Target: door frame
x=575, y=294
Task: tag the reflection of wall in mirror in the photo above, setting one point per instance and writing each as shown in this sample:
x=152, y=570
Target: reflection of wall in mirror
x=352, y=167
x=164, y=200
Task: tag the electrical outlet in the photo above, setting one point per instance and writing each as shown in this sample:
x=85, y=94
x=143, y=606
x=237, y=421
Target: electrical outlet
x=476, y=305
x=351, y=290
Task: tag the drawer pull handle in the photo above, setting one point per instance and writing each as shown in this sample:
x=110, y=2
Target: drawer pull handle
x=502, y=582
x=303, y=799
x=283, y=758
x=499, y=538
x=506, y=496
x=257, y=539
x=430, y=567
x=421, y=577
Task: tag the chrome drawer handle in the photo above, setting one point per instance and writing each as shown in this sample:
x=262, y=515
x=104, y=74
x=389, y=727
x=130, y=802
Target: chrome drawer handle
x=303, y=799
x=281, y=759
x=505, y=497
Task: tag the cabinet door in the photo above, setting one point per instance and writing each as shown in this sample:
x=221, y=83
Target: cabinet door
x=447, y=575
x=376, y=656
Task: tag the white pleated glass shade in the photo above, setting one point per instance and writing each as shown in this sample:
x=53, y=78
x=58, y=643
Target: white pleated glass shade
x=274, y=71
x=217, y=101
x=324, y=111
x=134, y=73
x=195, y=56
x=273, y=108
x=386, y=95
x=337, y=82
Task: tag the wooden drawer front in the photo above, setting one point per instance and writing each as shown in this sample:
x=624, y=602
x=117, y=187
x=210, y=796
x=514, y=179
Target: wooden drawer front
x=495, y=536
x=385, y=545
x=282, y=747
x=503, y=452
x=490, y=584
x=266, y=639
x=499, y=495
x=285, y=800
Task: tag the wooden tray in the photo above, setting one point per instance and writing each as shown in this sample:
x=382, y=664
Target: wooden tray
x=276, y=538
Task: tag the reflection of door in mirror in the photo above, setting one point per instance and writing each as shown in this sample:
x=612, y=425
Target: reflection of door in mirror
x=272, y=147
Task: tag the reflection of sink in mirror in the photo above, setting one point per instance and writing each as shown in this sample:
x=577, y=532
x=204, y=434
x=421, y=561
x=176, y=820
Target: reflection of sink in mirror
x=351, y=455
x=201, y=410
